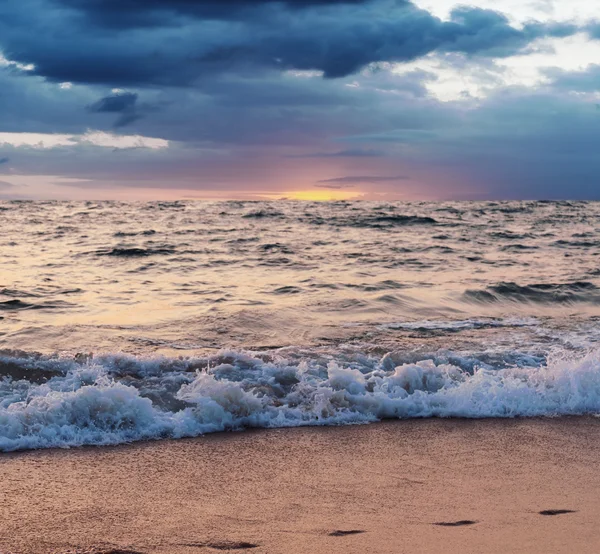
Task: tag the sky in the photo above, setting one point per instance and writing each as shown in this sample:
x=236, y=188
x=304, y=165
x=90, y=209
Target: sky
x=303, y=99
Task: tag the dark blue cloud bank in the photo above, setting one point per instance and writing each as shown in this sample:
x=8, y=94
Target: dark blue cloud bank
x=251, y=92
x=178, y=43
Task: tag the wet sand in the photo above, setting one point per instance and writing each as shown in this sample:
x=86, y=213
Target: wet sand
x=403, y=486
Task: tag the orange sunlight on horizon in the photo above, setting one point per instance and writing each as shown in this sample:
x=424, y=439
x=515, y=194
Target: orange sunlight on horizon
x=316, y=195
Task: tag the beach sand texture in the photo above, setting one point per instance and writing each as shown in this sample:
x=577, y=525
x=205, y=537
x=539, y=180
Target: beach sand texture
x=383, y=488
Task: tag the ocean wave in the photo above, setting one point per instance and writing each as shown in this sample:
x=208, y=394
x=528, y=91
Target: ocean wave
x=462, y=325
x=516, y=247
x=542, y=293
x=147, y=233
x=16, y=305
x=577, y=243
x=117, y=399
x=375, y=221
x=135, y=252
x=263, y=213
x=510, y=235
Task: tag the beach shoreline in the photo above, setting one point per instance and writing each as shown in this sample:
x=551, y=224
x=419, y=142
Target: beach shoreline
x=378, y=488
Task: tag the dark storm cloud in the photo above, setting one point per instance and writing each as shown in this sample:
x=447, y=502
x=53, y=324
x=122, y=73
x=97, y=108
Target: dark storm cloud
x=122, y=103
x=143, y=12
x=227, y=111
x=116, y=103
x=305, y=113
x=237, y=117
x=126, y=104
x=126, y=119
x=28, y=104
x=516, y=143
x=331, y=37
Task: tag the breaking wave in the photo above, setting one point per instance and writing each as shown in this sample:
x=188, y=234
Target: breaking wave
x=58, y=402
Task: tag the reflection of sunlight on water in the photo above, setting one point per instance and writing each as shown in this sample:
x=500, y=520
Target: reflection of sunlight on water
x=99, y=275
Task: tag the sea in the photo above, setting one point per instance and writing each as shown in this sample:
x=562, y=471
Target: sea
x=123, y=322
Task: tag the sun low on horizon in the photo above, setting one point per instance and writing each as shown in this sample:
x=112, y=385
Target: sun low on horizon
x=316, y=195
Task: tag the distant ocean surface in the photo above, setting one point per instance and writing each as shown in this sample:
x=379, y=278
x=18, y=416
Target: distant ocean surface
x=133, y=321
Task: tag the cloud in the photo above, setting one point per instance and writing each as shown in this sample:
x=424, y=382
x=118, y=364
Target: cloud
x=399, y=135
x=91, y=138
x=116, y=103
x=350, y=153
x=353, y=179
x=142, y=13
x=188, y=46
x=333, y=186
x=518, y=143
x=118, y=142
x=123, y=103
x=232, y=95
x=587, y=80
x=35, y=140
x=594, y=29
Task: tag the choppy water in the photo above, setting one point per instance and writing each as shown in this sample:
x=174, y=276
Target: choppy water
x=125, y=321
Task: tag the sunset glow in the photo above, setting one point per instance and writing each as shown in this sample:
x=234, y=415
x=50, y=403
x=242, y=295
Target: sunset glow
x=316, y=195
x=302, y=99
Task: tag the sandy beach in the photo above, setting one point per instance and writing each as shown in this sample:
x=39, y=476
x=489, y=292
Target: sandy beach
x=381, y=488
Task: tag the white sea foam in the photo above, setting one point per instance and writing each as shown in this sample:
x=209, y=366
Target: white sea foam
x=117, y=399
